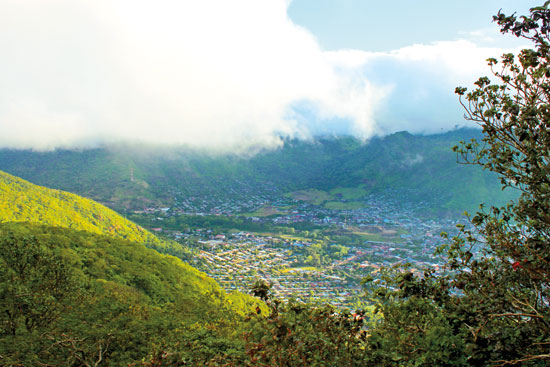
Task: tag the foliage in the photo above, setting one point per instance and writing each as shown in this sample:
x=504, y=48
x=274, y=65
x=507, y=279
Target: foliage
x=299, y=334
x=76, y=298
x=510, y=281
x=418, y=324
x=35, y=285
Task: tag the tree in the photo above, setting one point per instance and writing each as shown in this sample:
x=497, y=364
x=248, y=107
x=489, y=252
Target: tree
x=293, y=333
x=492, y=307
x=510, y=277
x=34, y=285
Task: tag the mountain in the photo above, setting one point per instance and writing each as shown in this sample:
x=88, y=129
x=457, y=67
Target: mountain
x=22, y=201
x=78, y=286
x=25, y=202
x=77, y=298
x=401, y=166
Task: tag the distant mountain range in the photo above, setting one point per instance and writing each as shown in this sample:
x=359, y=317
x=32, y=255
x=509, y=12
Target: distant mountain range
x=401, y=166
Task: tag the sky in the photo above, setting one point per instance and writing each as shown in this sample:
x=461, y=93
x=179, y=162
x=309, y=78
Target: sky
x=237, y=76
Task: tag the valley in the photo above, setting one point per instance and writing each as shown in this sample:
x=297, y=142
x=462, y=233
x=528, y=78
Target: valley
x=312, y=218
x=304, y=249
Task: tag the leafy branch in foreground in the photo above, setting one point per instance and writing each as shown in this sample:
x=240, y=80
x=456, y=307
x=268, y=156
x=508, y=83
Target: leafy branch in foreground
x=509, y=280
x=294, y=333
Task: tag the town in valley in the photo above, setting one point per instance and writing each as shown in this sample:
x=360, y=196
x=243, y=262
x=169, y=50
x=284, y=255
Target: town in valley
x=307, y=245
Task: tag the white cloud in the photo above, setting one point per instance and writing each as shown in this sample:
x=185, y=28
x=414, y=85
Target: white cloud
x=209, y=73
x=422, y=79
x=212, y=74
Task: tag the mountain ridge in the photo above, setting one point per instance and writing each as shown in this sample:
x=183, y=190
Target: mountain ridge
x=23, y=201
x=400, y=165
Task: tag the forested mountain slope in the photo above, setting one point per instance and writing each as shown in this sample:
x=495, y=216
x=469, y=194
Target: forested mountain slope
x=401, y=166
x=22, y=201
x=92, y=291
x=73, y=298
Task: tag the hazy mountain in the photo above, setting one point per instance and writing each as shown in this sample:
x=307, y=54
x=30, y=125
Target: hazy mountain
x=401, y=165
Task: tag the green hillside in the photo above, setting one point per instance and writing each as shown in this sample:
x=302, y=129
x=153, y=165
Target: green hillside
x=22, y=201
x=400, y=166
x=73, y=298
x=76, y=277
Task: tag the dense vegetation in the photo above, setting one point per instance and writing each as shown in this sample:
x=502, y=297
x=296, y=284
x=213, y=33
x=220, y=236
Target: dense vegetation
x=72, y=298
x=401, y=166
x=25, y=202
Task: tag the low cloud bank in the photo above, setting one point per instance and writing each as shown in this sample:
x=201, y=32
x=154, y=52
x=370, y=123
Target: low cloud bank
x=210, y=74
